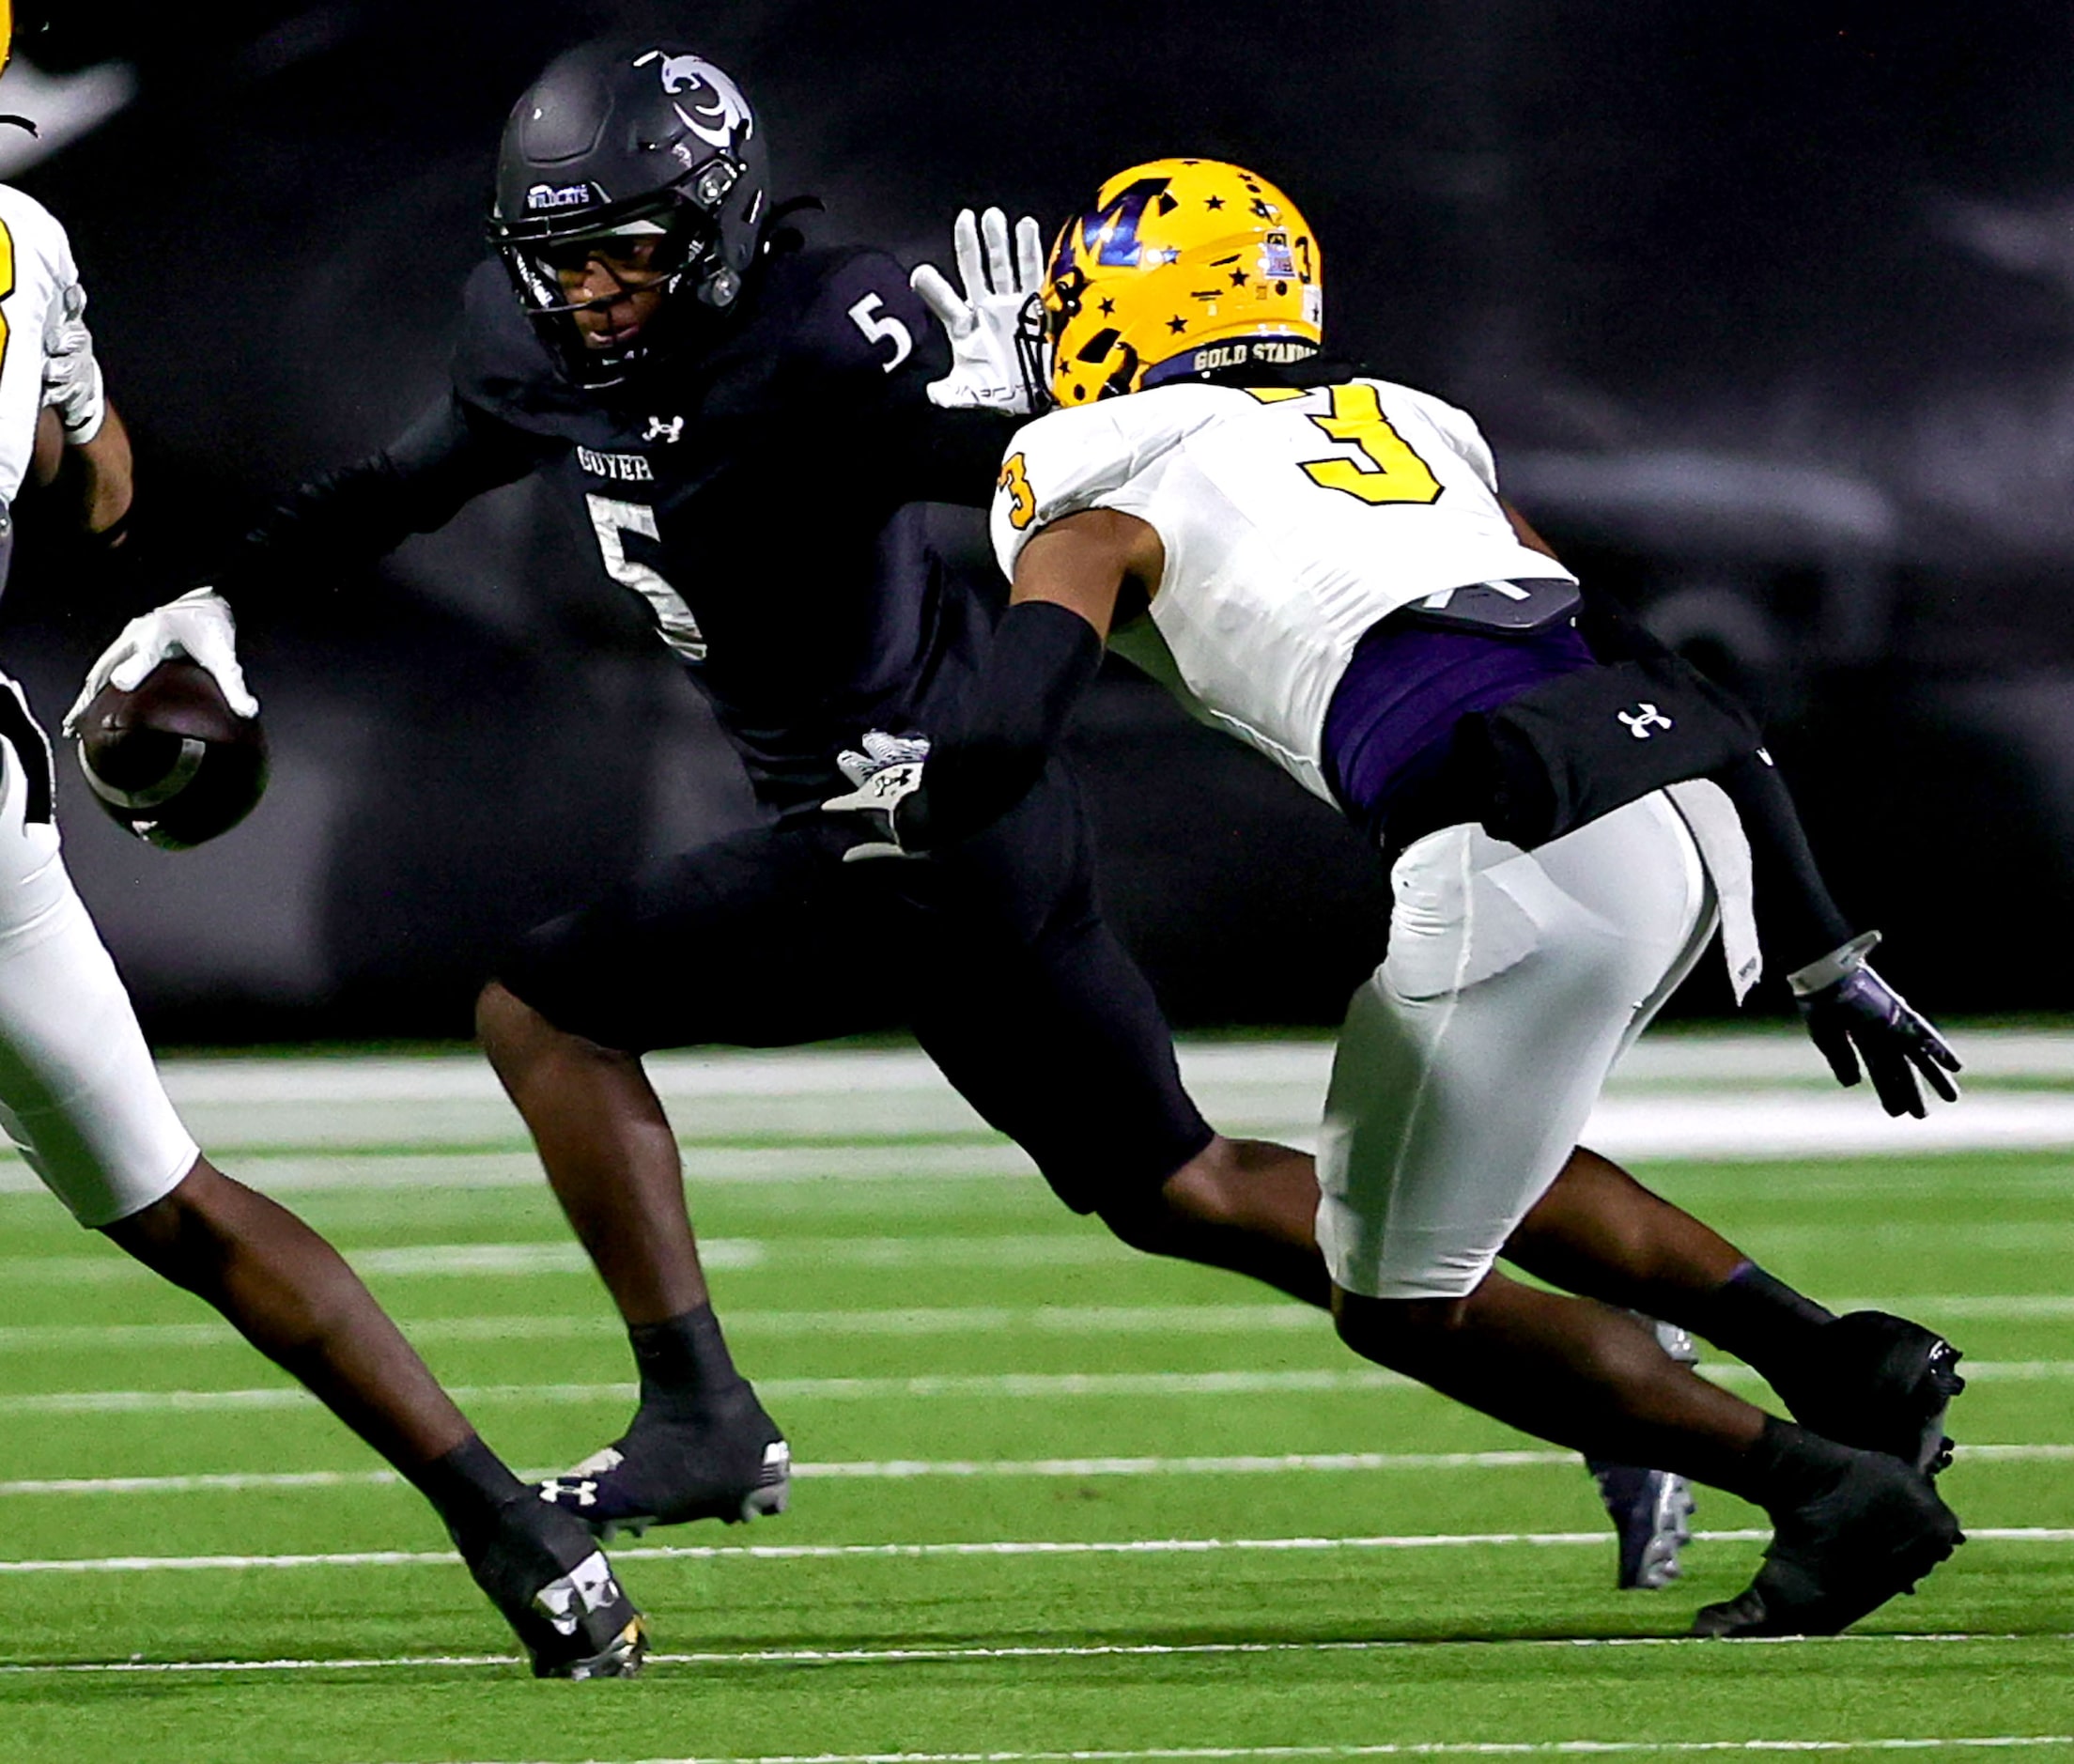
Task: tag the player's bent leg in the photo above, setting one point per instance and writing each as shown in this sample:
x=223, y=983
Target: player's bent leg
x=1463, y=1076
x=608, y=1151
x=291, y=1295
x=1870, y=1380
x=747, y=941
x=699, y=1446
x=1852, y=1528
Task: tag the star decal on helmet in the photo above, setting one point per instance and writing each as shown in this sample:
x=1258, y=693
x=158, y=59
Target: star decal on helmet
x=1239, y=278
x=1214, y=203
x=1177, y=325
x=1108, y=307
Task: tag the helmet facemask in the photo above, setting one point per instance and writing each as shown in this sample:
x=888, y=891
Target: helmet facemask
x=687, y=265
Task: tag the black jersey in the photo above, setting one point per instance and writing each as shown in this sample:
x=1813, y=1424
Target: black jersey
x=745, y=489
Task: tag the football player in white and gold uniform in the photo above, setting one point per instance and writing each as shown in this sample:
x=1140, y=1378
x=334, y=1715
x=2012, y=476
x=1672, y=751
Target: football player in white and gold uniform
x=82, y=1102
x=1319, y=562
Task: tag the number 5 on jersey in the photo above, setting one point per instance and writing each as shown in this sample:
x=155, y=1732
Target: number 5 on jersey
x=614, y=521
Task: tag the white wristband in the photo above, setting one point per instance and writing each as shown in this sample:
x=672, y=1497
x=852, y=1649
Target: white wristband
x=1846, y=959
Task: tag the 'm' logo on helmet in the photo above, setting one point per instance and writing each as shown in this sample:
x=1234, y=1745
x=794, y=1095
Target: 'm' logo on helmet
x=714, y=109
x=1182, y=266
x=1111, y=231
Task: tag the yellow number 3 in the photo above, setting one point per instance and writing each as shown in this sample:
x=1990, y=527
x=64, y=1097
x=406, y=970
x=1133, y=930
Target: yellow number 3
x=1392, y=471
x=1022, y=500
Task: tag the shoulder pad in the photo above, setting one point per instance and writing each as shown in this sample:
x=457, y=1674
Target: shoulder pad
x=857, y=318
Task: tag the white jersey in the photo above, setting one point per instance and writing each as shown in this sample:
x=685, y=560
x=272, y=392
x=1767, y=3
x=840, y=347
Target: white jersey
x=1292, y=521
x=36, y=268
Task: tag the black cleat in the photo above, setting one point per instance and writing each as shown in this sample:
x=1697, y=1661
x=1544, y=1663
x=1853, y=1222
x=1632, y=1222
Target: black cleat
x=1881, y=1384
x=552, y=1583
x=728, y=1463
x=1873, y=1532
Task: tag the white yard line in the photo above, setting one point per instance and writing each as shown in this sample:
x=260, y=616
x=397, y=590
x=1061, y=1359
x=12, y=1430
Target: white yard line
x=956, y=1653
x=1012, y=1249
x=1725, y=1124
x=1065, y=1247
x=914, y=1469
x=1031, y=1385
x=1267, y=1318
x=1677, y=1096
x=996, y=1548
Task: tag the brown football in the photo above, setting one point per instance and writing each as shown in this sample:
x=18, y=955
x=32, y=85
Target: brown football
x=170, y=761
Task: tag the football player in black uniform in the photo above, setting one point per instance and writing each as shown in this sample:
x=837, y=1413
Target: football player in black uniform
x=693, y=377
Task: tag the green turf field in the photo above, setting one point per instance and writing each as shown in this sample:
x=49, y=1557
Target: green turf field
x=1054, y=1500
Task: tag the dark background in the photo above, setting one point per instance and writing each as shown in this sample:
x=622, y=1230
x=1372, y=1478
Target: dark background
x=1768, y=309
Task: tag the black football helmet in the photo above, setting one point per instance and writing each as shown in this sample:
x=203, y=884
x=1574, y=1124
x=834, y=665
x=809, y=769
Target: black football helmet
x=619, y=139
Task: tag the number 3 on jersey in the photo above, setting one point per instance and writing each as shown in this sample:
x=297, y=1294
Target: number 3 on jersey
x=1387, y=472
x=614, y=521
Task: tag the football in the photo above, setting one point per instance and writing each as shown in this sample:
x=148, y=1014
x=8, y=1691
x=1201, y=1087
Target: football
x=170, y=761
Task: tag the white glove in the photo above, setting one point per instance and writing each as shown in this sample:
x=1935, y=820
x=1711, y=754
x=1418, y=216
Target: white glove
x=987, y=372
x=198, y=626
x=71, y=375
x=889, y=769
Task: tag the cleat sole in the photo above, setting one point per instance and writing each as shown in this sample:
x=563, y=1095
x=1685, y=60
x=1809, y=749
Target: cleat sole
x=619, y=1659
x=767, y=1501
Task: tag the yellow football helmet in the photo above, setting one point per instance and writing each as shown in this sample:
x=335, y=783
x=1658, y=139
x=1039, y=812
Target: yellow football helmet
x=1182, y=265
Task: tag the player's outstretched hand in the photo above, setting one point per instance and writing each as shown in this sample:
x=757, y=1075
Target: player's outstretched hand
x=887, y=768
x=1852, y=1015
x=987, y=368
x=198, y=626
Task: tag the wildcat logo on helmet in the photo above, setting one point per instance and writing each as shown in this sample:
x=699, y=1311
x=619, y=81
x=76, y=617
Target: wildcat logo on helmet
x=1175, y=254
x=716, y=116
x=565, y=196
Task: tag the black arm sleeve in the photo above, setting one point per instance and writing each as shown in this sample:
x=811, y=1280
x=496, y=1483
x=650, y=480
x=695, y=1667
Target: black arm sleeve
x=1797, y=920
x=349, y=518
x=1044, y=656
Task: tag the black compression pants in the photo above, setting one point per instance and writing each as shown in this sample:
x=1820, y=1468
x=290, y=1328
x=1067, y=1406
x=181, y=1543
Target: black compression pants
x=994, y=952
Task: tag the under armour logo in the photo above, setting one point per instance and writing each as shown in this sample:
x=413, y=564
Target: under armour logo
x=585, y=1493
x=664, y=429
x=1641, y=720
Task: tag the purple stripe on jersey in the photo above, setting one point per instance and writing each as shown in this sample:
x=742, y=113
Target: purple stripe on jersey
x=1394, y=712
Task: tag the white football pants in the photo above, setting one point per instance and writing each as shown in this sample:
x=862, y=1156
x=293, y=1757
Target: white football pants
x=78, y=1092
x=1471, y=1058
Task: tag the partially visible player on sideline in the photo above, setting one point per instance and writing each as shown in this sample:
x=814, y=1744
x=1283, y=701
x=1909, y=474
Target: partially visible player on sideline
x=80, y=1097
x=1318, y=562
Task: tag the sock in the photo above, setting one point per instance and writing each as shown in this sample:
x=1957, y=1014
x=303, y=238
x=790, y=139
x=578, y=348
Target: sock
x=1787, y=1465
x=1761, y=1320
x=684, y=1362
x=467, y=1486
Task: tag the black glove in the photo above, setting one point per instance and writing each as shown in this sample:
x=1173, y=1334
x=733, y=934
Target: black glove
x=1852, y=1015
